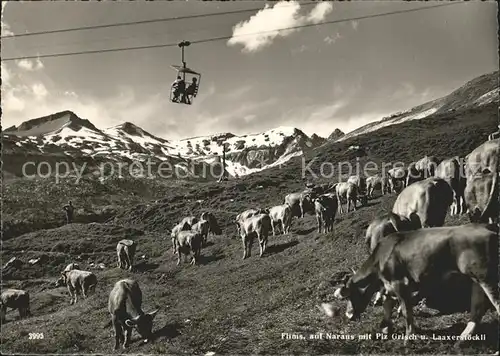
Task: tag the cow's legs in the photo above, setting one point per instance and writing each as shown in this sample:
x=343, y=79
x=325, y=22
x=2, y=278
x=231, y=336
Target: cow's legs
x=118, y=332
x=404, y=295
x=174, y=245
x=178, y=256
x=261, y=244
x=386, y=321
x=244, y=241
x=71, y=291
x=250, y=244
x=318, y=218
x=283, y=227
x=489, y=289
x=477, y=309
x=128, y=334
x=272, y=226
x=301, y=211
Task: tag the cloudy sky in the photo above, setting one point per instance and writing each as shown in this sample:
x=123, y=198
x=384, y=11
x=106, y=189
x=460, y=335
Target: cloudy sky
x=316, y=78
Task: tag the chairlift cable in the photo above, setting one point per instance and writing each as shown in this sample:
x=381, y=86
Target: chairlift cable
x=214, y=39
x=168, y=19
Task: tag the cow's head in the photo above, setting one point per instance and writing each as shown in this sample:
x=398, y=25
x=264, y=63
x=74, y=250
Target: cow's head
x=377, y=230
x=403, y=224
x=262, y=211
x=143, y=324
x=358, y=292
x=62, y=280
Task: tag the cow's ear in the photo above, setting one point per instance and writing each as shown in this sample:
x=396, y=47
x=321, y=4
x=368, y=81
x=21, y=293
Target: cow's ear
x=395, y=221
x=130, y=323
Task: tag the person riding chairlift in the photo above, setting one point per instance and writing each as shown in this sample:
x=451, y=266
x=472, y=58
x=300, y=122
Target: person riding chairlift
x=178, y=89
x=191, y=91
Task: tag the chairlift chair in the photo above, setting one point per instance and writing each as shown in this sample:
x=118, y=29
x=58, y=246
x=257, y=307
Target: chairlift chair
x=185, y=73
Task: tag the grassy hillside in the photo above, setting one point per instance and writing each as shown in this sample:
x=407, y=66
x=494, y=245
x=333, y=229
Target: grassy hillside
x=225, y=305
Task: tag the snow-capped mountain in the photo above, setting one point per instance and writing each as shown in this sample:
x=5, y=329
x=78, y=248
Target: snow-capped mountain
x=475, y=93
x=66, y=135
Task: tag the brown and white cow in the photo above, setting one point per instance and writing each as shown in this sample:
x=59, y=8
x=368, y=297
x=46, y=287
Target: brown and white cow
x=281, y=215
x=257, y=225
x=125, y=250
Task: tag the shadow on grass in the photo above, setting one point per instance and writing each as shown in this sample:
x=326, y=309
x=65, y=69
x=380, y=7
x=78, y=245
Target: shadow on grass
x=305, y=232
x=169, y=331
x=145, y=266
x=204, y=260
x=277, y=248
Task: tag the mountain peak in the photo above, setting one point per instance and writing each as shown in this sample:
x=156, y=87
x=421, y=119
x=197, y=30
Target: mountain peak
x=52, y=124
x=336, y=134
x=130, y=129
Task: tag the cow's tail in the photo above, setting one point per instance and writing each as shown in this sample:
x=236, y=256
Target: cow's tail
x=492, y=202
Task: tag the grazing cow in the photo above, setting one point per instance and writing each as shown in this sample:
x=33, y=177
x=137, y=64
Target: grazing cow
x=300, y=203
x=281, y=214
x=189, y=242
x=396, y=175
x=422, y=204
x=15, y=299
x=348, y=192
x=376, y=182
x=259, y=225
x=417, y=260
x=481, y=170
x=451, y=171
x=427, y=166
x=77, y=281
x=71, y=266
x=326, y=206
x=124, y=305
x=177, y=228
x=125, y=249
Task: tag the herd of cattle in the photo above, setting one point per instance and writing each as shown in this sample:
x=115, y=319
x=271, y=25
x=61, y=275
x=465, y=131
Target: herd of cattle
x=409, y=248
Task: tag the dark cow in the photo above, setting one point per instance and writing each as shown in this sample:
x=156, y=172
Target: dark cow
x=417, y=260
x=124, y=305
x=15, y=299
x=326, y=207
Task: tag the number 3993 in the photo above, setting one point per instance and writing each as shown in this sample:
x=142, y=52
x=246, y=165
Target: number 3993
x=35, y=336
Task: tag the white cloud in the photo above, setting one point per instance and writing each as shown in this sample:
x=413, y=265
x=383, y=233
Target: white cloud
x=11, y=102
x=39, y=91
x=262, y=28
x=6, y=76
x=320, y=11
x=29, y=65
x=5, y=27
x=332, y=39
